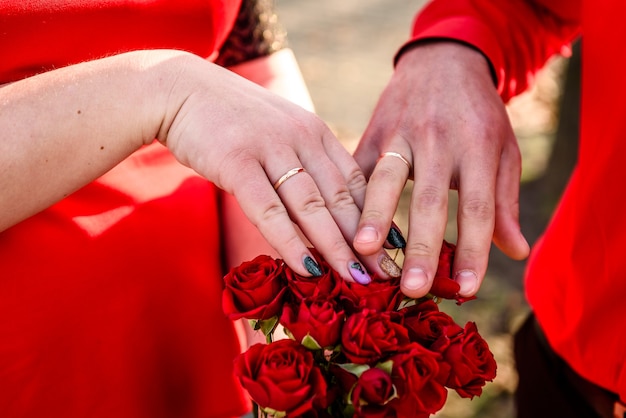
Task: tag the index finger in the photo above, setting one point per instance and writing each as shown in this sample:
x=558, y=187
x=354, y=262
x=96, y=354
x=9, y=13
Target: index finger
x=342, y=185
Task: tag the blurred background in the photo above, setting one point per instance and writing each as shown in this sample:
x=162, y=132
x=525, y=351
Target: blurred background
x=345, y=50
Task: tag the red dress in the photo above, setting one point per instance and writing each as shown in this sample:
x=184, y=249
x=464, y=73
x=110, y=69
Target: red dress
x=575, y=281
x=110, y=299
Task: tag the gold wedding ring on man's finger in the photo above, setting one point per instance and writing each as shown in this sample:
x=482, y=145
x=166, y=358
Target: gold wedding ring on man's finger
x=287, y=176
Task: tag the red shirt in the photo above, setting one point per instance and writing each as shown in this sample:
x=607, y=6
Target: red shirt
x=575, y=280
x=39, y=35
x=110, y=300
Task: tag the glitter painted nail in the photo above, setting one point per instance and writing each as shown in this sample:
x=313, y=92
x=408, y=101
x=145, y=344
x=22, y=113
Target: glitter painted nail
x=389, y=266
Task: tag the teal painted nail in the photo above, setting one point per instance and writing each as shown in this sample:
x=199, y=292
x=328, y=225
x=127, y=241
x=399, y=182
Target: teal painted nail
x=312, y=267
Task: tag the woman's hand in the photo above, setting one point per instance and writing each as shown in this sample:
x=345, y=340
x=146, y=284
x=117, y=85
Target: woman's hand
x=64, y=128
x=245, y=139
x=442, y=114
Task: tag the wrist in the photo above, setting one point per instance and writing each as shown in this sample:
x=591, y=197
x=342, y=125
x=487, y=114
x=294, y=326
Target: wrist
x=449, y=54
x=163, y=74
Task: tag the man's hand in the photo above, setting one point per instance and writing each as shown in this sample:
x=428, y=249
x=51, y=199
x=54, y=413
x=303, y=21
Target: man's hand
x=442, y=114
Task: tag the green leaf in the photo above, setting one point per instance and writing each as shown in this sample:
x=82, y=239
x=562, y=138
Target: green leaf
x=393, y=396
x=268, y=325
x=274, y=413
x=348, y=411
x=288, y=333
x=310, y=343
x=385, y=366
x=355, y=369
x=406, y=302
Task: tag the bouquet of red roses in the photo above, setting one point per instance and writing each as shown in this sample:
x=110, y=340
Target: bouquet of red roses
x=354, y=350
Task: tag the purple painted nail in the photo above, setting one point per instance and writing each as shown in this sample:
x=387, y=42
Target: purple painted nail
x=358, y=273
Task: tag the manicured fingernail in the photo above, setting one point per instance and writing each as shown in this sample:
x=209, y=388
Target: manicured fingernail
x=312, y=267
x=468, y=282
x=414, y=279
x=366, y=235
x=389, y=266
x=395, y=238
x=358, y=273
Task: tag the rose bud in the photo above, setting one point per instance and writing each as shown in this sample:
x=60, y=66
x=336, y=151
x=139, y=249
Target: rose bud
x=373, y=388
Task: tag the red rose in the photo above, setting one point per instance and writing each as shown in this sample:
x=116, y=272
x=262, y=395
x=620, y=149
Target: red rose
x=371, y=392
x=255, y=289
x=380, y=295
x=472, y=363
x=414, y=374
x=329, y=283
x=443, y=286
x=429, y=326
x=367, y=336
x=319, y=317
x=282, y=377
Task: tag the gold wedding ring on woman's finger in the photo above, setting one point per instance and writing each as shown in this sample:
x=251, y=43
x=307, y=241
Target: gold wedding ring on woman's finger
x=395, y=155
x=287, y=176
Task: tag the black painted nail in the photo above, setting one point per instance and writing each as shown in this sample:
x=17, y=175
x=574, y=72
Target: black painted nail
x=395, y=238
x=312, y=267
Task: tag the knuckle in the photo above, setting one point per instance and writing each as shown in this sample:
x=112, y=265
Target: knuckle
x=471, y=252
x=292, y=241
x=273, y=210
x=338, y=246
x=312, y=124
x=419, y=249
x=356, y=180
x=476, y=209
x=431, y=199
x=341, y=200
x=435, y=128
x=372, y=216
x=312, y=203
x=235, y=161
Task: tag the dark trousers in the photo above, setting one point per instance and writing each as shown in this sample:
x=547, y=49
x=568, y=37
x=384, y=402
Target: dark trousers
x=548, y=387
